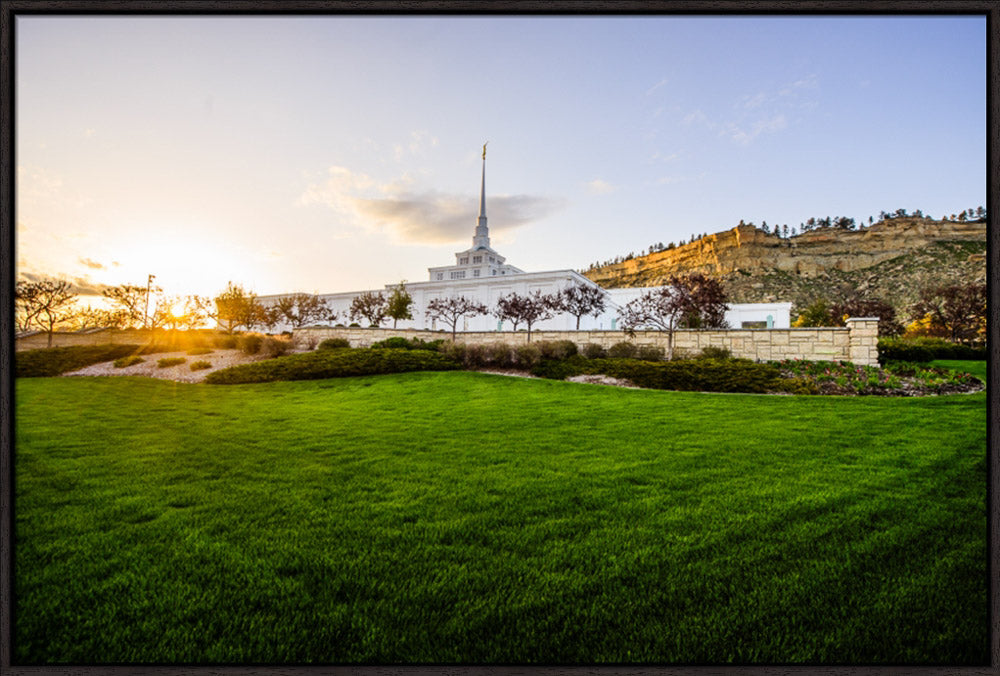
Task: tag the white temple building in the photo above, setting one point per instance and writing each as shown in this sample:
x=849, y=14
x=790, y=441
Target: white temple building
x=480, y=273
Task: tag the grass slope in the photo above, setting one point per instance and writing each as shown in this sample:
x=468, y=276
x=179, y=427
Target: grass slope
x=462, y=517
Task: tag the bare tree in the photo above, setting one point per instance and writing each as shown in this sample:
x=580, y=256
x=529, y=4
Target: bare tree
x=129, y=301
x=300, y=309
x=529, y=309
x=579, y=300
x=371, y=305
x=450, y=310
x=46, y=303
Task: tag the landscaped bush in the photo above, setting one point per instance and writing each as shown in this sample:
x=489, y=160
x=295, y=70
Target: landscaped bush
x=399, y=342
x=200, y=365
x=125, y=362
x=454, y=351
x=622, y=350
x=196, y=351
x=333, y=344
x=250, y=343
x=560, y=369
x=557, y=349
x=925, y=349
x=333, y=364
x=500, y=355
x=170, y=361
x=53, y=361
x=650, y=353
x=527, y=355
x=594, y=351
x=395, y=342
x=699, y=375
x=225, y=342
x=273, y=346
x=712, y=352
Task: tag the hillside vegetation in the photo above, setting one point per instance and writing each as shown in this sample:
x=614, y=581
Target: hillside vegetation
x=892, y=260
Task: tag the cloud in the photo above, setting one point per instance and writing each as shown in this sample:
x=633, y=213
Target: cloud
x=421, y=217
x=600, y=187
x=82, y=286
x=656, y=86
x=93, y=265
x=761, y=126
x=696, y=117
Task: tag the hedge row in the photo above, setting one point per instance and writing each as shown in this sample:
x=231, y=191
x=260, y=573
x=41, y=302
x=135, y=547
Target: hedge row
x=922, y=350
x=332, y=364
x=54, y=361
x=697, y=375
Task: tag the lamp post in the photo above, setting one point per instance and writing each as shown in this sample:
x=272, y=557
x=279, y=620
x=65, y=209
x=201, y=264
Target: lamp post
x=145, y=316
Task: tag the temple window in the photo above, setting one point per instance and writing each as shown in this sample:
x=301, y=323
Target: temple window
x=477, y=259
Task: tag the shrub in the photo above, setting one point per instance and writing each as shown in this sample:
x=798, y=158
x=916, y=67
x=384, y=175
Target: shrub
x=170, y=361
x=557, y=349
x=333, y=344
x=649, y=353
x=56, y=360
x=475, y=356
x=713, y=352
x=594, y=351
x=195, y=351
x=333, y=364
x=527, y=355
x=925, y=349
x=454, y=351
x=419, y=344
x=500, y=355
x=250, y=343
x=125, y=362
x=624, y=349
x=699, y=375
x=354, y=325
x=200, y=365
x=225, y=342
x=396, y=342
x=274, y=346
x=560, y=369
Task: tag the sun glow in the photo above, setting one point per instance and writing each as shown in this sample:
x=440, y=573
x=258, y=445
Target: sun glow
x=182, y=266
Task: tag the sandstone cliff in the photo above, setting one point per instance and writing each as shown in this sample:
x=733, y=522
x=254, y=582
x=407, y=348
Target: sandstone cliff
x=892, y=259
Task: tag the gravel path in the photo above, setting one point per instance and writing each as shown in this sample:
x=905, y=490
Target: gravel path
x=182, y=372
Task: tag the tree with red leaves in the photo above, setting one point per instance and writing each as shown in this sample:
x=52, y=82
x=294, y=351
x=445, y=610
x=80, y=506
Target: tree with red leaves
x=579, y=300
x=450, y=310
x=534, y=307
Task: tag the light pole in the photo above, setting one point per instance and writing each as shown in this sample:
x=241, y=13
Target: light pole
x=145, y=316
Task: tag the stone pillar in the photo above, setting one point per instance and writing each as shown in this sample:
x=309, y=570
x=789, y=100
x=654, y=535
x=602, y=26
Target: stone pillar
x=863, y=340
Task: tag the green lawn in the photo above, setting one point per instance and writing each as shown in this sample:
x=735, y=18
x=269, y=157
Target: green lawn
x=462, y=517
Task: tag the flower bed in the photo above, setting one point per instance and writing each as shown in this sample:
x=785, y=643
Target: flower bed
x=900, y=379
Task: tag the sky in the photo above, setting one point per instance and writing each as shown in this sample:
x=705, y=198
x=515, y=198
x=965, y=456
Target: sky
x=340, y=153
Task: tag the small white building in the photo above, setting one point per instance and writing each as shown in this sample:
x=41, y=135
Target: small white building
x=481, y=274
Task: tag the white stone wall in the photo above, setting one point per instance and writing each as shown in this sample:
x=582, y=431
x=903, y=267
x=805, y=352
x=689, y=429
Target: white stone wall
x=857, y=343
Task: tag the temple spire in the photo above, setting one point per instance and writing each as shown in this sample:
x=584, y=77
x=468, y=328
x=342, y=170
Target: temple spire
x=482, y=236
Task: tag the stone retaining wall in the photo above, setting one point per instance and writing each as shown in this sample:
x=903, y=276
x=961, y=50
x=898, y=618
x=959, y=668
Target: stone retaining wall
x=856, y=343
x=40, y=340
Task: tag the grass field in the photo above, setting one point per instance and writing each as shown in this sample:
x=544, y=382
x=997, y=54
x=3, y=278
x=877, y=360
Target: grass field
x=463, y=517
